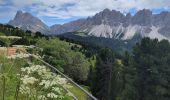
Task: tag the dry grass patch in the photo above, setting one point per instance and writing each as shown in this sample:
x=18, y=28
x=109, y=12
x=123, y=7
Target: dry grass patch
x=3, y=51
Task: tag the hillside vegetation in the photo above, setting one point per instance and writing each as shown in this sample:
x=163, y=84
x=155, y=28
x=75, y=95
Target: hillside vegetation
x=142, y=74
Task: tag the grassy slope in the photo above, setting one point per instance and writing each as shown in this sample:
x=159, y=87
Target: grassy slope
x=12, y=82
x=81, y=34
x=1, y=33
x=74, y=90
x=3, y=51
x=17, y=64
x=77, y=92
x=11, y=68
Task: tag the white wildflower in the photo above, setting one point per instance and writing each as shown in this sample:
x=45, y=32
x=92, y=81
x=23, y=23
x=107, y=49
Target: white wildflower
x=60, y=80
x=23, y=69
x=24, y=89
x=18, y=55
x=46, y=80
x=56, y=89
x=52, y=95
x=42, y=97
x=28, y=80
x=69, y=94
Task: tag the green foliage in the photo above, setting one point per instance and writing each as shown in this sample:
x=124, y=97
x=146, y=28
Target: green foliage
x=60, y=54
x=28, y=37
x=142, y=75
x=117, y=45
x=78, y=67
x=1, y=34
x=8, y=77
x=20, y=82
x=152, y=66
x=102, y=75
x=77, y=92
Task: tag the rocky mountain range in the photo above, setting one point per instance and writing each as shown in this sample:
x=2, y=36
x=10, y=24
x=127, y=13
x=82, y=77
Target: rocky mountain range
x=107, y=23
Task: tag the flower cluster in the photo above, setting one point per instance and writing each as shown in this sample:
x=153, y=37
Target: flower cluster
x=28, y=80
x=19, y=55
x=38, y=81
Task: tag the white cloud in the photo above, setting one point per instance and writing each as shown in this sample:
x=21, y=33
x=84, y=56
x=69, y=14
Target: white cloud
x=7, y=11
x=83, y=8
x=90, y=7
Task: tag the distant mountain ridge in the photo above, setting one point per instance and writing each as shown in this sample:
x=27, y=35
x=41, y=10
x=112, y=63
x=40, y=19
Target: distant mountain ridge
x=108, y=24
x=114, y=24
x=26, y=21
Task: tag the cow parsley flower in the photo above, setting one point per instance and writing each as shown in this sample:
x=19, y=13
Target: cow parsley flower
x=38, y=77
x=28, y=80
x=52, y=95
x=19, y=55
x=42, y=97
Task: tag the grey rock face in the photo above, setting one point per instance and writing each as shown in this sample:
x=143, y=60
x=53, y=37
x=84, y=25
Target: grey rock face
x=108, y=17
x=107, y=23
x=127, y=20
x=165, y=31
x=142, y=18
x=114, y=24
x=68, y=27
x=162, y=19
x=28, y=22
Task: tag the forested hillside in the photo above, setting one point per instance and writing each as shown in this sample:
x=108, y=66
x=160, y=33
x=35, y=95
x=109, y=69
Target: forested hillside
x=142, y=74
x=115, y=44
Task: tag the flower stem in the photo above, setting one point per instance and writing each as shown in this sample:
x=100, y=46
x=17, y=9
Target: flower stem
x=3, y=91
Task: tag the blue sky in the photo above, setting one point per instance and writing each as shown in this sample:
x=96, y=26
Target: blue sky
x=62, y=11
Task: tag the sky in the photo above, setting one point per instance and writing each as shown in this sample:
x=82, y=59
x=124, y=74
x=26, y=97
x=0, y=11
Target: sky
x=63, y=11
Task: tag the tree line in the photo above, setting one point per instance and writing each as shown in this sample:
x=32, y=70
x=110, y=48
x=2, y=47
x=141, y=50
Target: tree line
x=28, y=37
x=142, y=74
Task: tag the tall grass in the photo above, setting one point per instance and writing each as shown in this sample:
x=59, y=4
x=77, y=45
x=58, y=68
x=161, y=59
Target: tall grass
x=8, y=77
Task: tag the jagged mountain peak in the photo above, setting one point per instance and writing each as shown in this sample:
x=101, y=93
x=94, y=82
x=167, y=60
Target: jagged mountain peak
x=143, y=18
x=19, y=13
x=25, y=16
x=107, y=16
x=128, y=15
x=144, y=11
x=27, y=21
x=114, y=24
